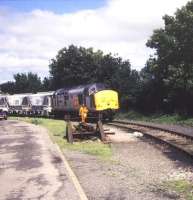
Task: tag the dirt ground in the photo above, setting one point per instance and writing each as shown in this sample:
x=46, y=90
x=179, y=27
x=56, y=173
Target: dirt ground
x=138, y=169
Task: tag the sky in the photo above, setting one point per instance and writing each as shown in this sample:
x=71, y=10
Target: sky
x=33, y=31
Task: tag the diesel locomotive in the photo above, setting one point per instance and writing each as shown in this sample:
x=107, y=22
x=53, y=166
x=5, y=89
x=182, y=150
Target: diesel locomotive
x=96, y=97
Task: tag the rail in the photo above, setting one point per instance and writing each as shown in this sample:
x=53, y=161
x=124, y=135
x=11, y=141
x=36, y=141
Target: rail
x=177, y=139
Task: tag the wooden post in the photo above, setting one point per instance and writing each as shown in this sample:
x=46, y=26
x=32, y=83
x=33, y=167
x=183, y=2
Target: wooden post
x=101, y=131
x=69, y=132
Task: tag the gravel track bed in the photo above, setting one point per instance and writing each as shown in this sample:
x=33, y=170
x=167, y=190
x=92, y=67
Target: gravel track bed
x=178, y=141
x=137, y=170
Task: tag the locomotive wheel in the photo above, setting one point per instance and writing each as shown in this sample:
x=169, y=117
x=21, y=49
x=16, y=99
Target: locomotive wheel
x=69, y=133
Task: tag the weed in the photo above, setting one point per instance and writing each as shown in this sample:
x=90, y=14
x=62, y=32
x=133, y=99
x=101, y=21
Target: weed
x=182, y=187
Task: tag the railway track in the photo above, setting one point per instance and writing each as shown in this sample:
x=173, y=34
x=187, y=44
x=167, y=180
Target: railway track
x=180, y=140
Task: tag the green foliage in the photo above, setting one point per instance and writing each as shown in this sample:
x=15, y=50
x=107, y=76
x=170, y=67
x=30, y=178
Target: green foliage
x=8, y=87
x=182, y=187
x=36, y=121
x=74, y=66
x=46, y=84
x=24, y=83
x=156, y=118
x=171, y=68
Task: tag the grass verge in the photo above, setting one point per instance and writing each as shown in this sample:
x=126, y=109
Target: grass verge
x=157, y=118
x=182, y=187
x=57, y=133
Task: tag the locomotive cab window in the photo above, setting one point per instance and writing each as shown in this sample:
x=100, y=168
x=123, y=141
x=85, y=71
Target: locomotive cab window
x=92, y=90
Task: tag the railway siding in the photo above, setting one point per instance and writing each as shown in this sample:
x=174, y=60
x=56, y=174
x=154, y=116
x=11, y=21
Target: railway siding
x=178, y=140
x=177, y=129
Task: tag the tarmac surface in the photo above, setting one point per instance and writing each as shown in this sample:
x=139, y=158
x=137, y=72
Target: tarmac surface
x=31, y=167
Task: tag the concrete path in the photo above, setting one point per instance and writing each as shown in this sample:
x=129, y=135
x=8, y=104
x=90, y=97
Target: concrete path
x=31, y=167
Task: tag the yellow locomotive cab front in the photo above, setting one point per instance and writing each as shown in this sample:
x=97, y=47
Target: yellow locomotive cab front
x=106, y=99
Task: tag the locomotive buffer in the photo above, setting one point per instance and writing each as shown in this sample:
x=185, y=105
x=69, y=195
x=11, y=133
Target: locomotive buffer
x=84, y=129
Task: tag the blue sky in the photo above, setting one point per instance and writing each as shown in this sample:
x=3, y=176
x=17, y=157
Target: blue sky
x=58, y=6
x=33, y=31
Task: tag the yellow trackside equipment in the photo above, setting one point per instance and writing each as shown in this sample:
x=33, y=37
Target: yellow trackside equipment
x=106, y=99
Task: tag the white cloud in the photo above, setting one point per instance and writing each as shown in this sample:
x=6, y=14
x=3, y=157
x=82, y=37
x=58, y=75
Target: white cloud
x=29, y=40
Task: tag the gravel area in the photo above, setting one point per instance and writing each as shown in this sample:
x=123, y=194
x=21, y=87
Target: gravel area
x=138, y=169
x=121, y=137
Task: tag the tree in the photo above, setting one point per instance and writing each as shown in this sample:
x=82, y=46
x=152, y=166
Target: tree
x=46, y=84
x=8, y=87
x=27, y=83
x=74, y=66
x=78, y=65
x=172, y=64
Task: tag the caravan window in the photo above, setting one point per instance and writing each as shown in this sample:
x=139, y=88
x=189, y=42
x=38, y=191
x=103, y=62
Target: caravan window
x=45, y=101
x=16, y=102
x=25, y=101
x=38, y=102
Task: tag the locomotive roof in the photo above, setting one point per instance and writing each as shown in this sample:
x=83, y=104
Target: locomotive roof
x=79, y=89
